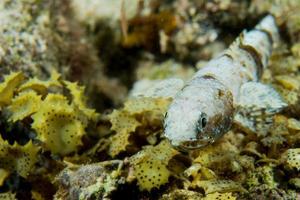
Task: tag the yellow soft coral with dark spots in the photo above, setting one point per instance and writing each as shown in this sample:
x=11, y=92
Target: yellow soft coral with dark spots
x=122, y=121
x=58, y=126
x=41, y=86
x=79, y=100
x=3, y=175
x=152, y=109
x=150, y=165
x=58, y=121
x=217, y=185
x=220, y=196
x=138, y=112
x=8, y=196
x=123, y=124
x=17, y=158
x=25, y=104
x=293, y=158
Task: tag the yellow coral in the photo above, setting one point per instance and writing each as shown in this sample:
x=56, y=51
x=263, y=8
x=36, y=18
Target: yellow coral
x=36, y=195
x=118, y=144
x=77, y=93
x=18, y=158
x=136, y=112
x=262, y=175
x=122, y=121
x=293, y=158
x=23, y=105
x=220, y=196
x=205, y=156
x=8, y=196
x=293, y=124
x=58, y=126
x=182, y=194
x=290, y=96
x=7, y=88
x=41, y=86
x=212, y=186
x=3, y=175
x=198, y=172
x=150, y=165
x=215, y=153
x=79, y=100
x=123, y=124
x=155, y=106
x=296, y=50
x=288, y=82
x=149, y=111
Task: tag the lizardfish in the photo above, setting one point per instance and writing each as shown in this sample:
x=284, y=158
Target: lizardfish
x=224, y=91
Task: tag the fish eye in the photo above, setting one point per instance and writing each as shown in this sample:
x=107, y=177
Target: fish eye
x=203, y=122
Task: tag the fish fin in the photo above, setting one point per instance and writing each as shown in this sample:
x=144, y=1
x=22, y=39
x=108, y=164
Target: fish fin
x=257, y=105
x=157, y=88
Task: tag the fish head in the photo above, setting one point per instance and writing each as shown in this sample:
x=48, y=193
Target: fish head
x=198, y=115
x=186, y=128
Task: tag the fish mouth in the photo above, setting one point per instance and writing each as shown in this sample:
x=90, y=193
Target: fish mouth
x=192, y=144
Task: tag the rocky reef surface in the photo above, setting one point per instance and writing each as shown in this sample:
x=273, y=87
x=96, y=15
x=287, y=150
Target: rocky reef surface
x=71, y=129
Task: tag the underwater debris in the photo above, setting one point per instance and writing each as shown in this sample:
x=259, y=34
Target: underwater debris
x=157, y=88
x=92, y=181
x=150, y=165
x=145, y=31
x=149, y=70
x=196, y=36
x=264, y=192
x=91, y=12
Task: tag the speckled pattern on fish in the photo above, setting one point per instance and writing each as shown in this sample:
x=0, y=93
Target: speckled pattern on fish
x=204, y=109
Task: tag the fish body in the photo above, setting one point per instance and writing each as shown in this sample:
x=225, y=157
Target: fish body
x=205, y=108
